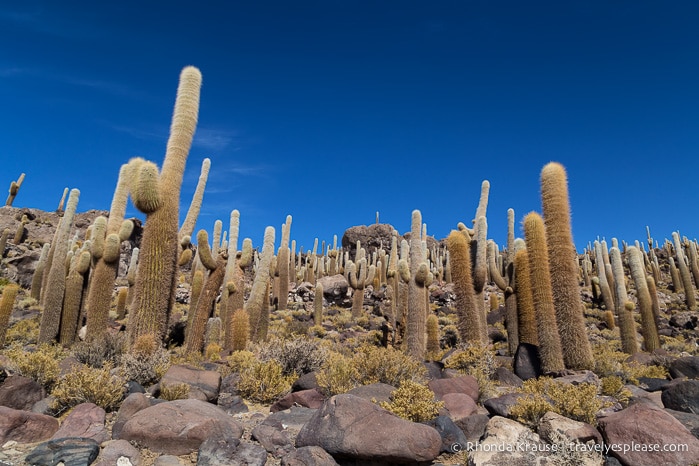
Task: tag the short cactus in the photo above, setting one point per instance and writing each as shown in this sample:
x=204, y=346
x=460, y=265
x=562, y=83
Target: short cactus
x=9, y=293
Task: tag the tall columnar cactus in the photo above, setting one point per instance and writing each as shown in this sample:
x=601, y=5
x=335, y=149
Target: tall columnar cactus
x=154, y=292
x=107, y=236
x=240, y=330
x=225, y=310
x=675, y=276
x=563, y=265
x=470, y=320
x=72, y=300
x=196, y=326
x=131, y=274
x=61, y=203
x=39, y=271
x=14, y=189
x=649, y=328
x=3, y=241
x=257, y=311
x=190, y=220
x=550, y=351
x=605, y=289
x=21, y=231
x=318, y=304
x=627, y=324
x=526, y=315
x=7, y=302
x=433, y=336
x=685, y=276
x=283, y=265
x=359, y=275
x=56, y=279
x=416, y=274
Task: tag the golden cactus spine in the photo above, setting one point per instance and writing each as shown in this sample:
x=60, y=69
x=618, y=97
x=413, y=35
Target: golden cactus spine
x=470, y=320
x=153, y=294
x=257, y=310
x=563, y=266
x=56, y=277
x=526, y=315
x=7, y=302
x=627, y=324
x=240, y=331
x=649, y=329
x=550, y=351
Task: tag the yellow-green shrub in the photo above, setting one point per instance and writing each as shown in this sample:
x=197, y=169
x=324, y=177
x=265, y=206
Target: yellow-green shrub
x=613, y=386
x=609, y=361
x=477, y=360
x=376, y=364
x=88, y=385
x=337, y=375
x=241, y=360
x=40, y=365
x=175, y=391
x=25, y=331
x=413, y=401
x=264, y=382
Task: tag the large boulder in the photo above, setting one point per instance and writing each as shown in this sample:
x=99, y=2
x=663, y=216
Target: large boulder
x=202, y=384
x=682, y=396
x=178, y=427
x=24, y=426
x=334, y=288
x=643, y=435
x=350, y=427
x=19, y=392
x=466, y=384
x=86, y=421
x=371, y=238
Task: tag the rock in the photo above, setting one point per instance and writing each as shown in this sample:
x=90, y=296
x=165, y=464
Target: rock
x=167, y=460
x=114, y=450
x=371, y=237
x=651, y=384
x=295, y=418
x=220, y=448
x=72, y=451
x=350, y=427
x=231, y=404
x=306, y=381
x=639, y=395
x=580, y=377
x=501, y=405
x=207, y=382
x=130, y=406
x=684, y=320
x=571, y=430
x=462, y=384
x=334, y=288
x=307, y=398
x=687, y=366
x=506, y=377
x=19, y=392
x=375, y=391
x=649, y=429
x=273, y=439
x=473, y=426
x=25, y=426
x=178, y=427
x=453, y=439
x=526, y=362
x=308, y=456
x=682, y=396
x=459, y=405
x=508, y=442
x=86, y=420
x=689, y=420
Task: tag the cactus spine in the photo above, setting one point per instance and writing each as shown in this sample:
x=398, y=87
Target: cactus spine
x=526, y=315
x=153, y=294
x=7, y=302
x=550, y=350
x=649, y=328
x=432, y=336
x=56, y=277
x=39, y=272
x=240, y=331
x=470, y=320
x=257, y=311
x=563, y=265
x=627, y=324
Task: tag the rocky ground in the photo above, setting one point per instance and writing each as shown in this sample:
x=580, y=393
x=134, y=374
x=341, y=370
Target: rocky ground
x=486, y=395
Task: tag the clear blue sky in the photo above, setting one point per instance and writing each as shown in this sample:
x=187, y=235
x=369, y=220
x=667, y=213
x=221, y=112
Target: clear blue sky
x=331, y=110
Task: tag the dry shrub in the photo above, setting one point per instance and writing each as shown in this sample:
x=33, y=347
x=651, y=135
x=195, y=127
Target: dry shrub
x=413, y=401
x=477, y=360
x=107, y=348
x=40, y=365
x=264, y=382
x=338, y=375
x=175, y=391
x=25, y=331
x=298, y=356
x=146, y=363
x=88, y=385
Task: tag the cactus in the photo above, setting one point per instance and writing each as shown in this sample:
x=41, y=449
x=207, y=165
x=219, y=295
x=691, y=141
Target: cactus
x=283, y=265
x=190, y=220
x=154, y=291
x=21, y=232
x=470, y=320
x=7, y=302
x=604, y=286
x=61, y=203
x=685, y=274
x=122, y=294
x=432, y=336
x=359, y=275
x=258, y=313
x=649, y=328
x=526, y=315
x=318, y=305
x=80, y=264
x=416, y=275
x=212, y=336
x=627, y=324
x=56, y=277
x=550, y=351
x=563, y=266
x=240, y=331
x=14, y=188
x=39, y=272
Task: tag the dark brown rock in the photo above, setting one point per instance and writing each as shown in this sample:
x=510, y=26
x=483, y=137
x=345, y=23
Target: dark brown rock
x=178, y=427
x=309, y=456
x=19, y=392
x=466, y=384
x=24, y=426
x=459, y=405
x=350, y=427
x=86, y=420
x=682, y=396
x=307, y=398
x=206, y=382
x=130, y=406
